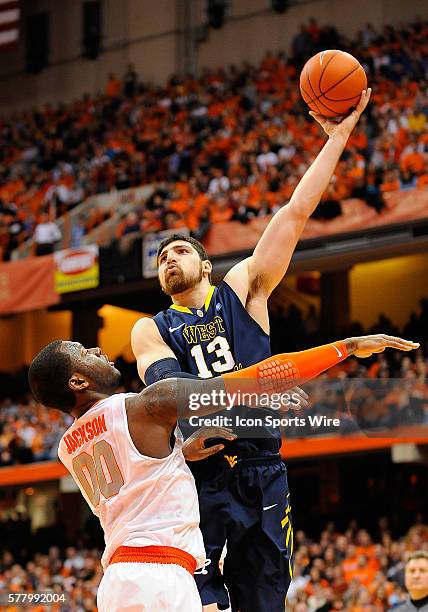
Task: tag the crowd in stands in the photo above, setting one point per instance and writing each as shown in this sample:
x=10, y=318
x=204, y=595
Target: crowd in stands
x=395, y=392
x=352, y=571
x=297, y=330
x=29, y=432
x=231, y=144
x=42, y=563
x=348, y=569
x=387, y=391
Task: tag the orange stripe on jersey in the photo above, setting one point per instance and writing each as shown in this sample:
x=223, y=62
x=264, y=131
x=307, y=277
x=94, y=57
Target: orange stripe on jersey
x=154, y=554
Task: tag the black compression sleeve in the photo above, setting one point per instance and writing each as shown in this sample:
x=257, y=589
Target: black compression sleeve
x=165, y=368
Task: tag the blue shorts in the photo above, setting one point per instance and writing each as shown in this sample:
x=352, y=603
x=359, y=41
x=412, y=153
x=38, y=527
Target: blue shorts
x=246, y=504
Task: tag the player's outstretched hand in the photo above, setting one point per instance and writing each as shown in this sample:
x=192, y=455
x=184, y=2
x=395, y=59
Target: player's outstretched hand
x=367, y=345
x=345, y=127
x=194, y=447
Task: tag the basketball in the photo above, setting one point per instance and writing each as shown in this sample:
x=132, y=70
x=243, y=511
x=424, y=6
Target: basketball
x=331, y=83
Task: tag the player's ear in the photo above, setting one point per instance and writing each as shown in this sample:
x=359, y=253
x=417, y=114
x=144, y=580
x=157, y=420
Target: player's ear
x=77, y=382
x=207, y=268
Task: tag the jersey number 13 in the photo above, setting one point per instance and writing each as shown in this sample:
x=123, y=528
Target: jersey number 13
x=220, y=347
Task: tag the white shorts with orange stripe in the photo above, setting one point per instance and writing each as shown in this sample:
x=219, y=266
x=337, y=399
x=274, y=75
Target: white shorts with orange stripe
x=147, y=587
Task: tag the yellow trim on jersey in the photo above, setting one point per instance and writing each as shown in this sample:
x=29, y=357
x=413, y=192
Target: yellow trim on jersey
x=181, y=308
x=288, y=535
x=206, y=303
x=209, y=296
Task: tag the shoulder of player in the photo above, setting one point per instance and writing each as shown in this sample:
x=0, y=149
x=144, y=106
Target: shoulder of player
x=147, y=406
x=145, y=326
x=132, y=402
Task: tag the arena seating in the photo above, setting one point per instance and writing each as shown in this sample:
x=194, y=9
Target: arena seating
x=229, y=145
x=347, y=569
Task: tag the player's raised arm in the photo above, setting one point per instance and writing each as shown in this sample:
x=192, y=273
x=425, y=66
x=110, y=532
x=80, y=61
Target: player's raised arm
x=273, y=253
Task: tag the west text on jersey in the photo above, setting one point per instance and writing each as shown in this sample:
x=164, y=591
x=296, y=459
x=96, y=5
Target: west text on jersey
x=201, y=332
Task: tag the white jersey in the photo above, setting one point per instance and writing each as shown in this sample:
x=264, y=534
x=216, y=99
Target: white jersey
x=140, y=501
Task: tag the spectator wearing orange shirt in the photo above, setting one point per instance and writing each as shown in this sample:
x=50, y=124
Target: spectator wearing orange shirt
x=220, y=209
x=151, y=221
x=422, y=181
x=172, y=220
x=413, y=161
x=391, y=181
x=113, y=86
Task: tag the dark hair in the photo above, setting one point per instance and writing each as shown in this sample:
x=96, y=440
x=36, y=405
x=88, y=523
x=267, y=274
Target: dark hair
x=48, y=376
x=198, y=246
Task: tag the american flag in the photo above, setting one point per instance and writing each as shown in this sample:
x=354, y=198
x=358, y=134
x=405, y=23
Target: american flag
x=9, y=22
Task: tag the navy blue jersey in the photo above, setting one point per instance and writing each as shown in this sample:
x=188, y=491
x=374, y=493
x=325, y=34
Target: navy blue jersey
x=217, y=338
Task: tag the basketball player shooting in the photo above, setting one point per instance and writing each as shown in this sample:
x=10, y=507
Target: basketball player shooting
x=207, y=331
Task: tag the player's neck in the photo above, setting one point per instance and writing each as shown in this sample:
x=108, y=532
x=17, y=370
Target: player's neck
x=194, y=297
x=87, y=403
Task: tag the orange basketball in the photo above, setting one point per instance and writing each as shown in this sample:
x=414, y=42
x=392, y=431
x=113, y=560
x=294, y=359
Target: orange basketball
x=331, y=83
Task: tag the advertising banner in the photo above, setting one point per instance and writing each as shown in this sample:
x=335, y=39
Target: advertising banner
x=27, y=285
x=151, y=244
x=77, y=269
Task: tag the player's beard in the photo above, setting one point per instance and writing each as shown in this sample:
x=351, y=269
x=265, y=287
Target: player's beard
x=179, y=282
x=106, y=381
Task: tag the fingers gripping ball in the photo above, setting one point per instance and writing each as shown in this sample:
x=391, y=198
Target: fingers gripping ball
x=331, y=83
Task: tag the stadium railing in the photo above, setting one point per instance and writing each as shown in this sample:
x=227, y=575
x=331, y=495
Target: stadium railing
x=233, y=235
x=121, y=202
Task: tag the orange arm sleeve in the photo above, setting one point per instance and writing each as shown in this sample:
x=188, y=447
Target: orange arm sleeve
x=287, y=370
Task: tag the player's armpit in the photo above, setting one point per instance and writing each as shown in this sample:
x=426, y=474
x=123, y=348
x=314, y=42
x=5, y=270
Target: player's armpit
x=272, y=255
x=238, y=279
